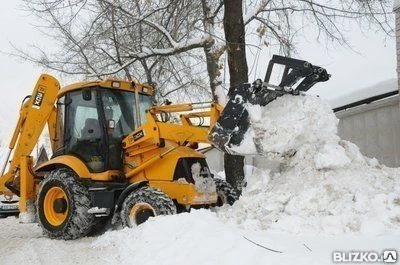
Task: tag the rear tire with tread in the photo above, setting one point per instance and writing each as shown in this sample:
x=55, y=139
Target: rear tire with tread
x=154, y=200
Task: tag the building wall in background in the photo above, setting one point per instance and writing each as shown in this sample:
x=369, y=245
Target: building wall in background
x=396, y=9
x=375, y=129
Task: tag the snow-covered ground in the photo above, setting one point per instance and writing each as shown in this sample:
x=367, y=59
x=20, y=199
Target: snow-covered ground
x=326, y=197
x=196, y=238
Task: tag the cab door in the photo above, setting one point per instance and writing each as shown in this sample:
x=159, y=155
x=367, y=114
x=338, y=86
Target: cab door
x=119, y=117
x=84, y=136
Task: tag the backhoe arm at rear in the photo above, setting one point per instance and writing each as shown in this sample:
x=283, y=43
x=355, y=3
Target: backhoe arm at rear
x=35, y=112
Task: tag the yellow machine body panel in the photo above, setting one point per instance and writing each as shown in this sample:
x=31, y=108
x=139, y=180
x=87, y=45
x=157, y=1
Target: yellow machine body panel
x=154, y=150
x=78, y=167
x=163, y=169
x=68, y=161
x=160, y=172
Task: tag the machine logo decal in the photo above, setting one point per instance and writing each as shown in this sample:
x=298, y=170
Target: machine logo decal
x=138, y=135
x=37, y=101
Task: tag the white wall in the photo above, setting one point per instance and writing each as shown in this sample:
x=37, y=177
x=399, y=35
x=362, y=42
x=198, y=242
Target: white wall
x=375, y=129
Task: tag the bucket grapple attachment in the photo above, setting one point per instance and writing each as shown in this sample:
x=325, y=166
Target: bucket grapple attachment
x=298, y=76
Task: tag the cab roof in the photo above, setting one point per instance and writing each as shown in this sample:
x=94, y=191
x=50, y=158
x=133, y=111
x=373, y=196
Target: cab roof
x=109, y=84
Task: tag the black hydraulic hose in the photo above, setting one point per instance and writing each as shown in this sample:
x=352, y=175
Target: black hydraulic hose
x=25, y=98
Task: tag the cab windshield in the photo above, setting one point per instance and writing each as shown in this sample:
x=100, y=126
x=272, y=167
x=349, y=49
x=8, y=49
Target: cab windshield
x=119, y=110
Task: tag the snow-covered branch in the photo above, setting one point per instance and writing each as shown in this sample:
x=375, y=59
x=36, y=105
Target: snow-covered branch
x=148, y=52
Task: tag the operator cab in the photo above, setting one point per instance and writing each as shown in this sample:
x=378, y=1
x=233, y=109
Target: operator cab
x=93, y=121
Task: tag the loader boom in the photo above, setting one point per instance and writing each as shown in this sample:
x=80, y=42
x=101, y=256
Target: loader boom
x=37, y=110
x=157, y=130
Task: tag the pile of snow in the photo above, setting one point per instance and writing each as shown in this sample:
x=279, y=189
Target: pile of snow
x=286, y=124
x=196, y=238
x=327, y=186
x=189, y=238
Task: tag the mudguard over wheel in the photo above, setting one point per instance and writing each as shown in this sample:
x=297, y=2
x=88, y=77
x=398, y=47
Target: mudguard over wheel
x=144, y=203
x=62, y=206
x=226, y=193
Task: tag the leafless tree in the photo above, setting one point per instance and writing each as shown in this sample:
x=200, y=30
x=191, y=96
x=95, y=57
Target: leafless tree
x=161, y=41
x=179, y=43
x=281, y=21
x=131, y=39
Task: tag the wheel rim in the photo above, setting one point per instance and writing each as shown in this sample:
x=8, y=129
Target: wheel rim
x=140, y=213
x=55, y=206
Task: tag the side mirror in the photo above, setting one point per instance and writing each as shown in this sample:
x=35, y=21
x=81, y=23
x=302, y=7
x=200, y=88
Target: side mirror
x=87, y=94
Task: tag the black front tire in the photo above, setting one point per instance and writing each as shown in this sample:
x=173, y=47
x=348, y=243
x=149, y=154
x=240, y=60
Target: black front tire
x=78, y=222
x=226, y=193
x=144, y=203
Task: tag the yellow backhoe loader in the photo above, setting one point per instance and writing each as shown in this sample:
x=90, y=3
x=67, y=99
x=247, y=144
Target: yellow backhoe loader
x=118, y=158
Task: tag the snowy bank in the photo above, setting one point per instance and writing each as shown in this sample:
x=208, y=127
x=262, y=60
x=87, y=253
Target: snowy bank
x=327, y=186
x=198, y=238
x=195, y=238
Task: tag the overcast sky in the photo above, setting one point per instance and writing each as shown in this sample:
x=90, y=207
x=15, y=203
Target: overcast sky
x=374, y=62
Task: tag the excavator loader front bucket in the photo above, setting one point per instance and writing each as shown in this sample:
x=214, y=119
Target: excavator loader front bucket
x=298, y=76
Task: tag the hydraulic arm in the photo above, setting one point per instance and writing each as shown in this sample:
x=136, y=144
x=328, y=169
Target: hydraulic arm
x=37, y=110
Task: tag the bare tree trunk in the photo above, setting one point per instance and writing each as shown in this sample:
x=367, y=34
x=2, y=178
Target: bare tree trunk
x=238, y=72
x=212, y=54
x=212, y=69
